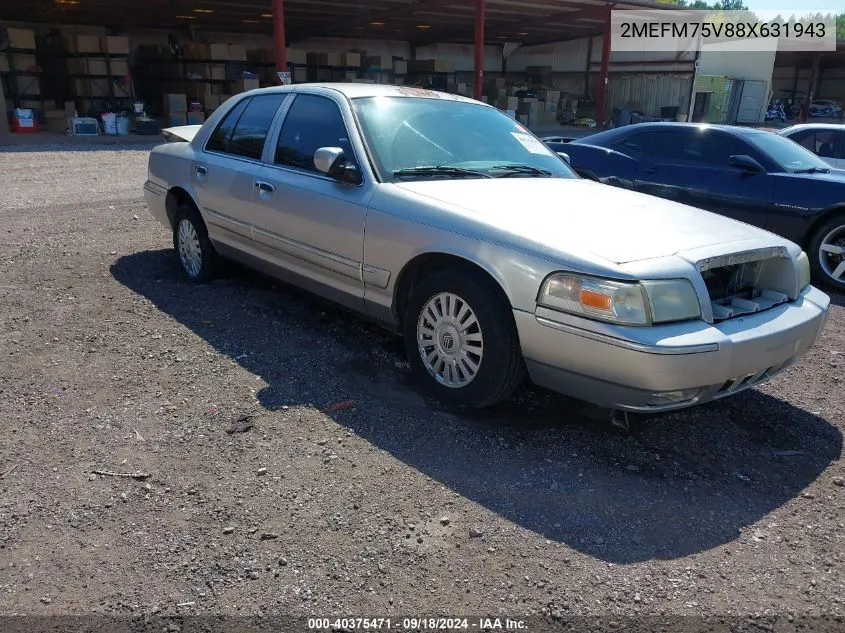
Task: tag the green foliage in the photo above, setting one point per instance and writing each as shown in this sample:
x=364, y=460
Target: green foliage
x=840, y=27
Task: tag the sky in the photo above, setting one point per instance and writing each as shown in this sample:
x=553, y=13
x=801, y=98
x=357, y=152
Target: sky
x=793, y=6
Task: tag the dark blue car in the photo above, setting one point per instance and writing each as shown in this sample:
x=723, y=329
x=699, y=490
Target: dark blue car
x=750, y=175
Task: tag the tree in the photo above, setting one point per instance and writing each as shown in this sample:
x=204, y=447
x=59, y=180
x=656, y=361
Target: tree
x=840, y=27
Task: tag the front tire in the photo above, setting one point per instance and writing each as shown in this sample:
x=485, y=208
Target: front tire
x=197, y=257
x=827, y=253
x=461, y=340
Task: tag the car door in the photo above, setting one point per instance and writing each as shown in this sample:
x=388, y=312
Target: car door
x=308, y=224
x=692, y=166
x=224, y=173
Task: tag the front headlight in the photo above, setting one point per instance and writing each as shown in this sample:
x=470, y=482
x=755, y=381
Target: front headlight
x=625, y=303
x=803, y=265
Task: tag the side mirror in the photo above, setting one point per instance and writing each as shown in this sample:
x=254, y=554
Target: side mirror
x=565, y=157
x=746, y=163
x=331, y=161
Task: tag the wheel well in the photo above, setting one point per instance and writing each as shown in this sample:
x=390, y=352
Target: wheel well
x=177, y=197
x=426, y=264
x=827, y=215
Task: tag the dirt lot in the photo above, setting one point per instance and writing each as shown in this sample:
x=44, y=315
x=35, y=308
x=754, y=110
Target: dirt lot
x=351, y=494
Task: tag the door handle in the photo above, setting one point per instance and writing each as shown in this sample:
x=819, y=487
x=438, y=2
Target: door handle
x=265, y=186
x=201, y=170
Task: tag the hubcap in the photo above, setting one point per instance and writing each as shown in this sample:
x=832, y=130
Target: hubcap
x=832, y=254
x=449, y=340
x=190, y=252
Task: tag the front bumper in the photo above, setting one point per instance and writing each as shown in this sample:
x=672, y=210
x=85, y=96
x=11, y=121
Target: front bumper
x=671, y=366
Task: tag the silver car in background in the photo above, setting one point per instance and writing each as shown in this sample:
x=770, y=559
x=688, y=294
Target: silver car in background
x=448, y=222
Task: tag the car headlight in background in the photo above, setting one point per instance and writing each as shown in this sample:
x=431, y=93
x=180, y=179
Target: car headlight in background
x=803, y=264
x=625, y=303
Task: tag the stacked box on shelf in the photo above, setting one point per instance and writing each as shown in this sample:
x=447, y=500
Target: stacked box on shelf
x=400, y=66
x=23, y=72
x=176, y=109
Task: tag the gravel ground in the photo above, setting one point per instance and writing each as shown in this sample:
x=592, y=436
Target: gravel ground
x=351, y=494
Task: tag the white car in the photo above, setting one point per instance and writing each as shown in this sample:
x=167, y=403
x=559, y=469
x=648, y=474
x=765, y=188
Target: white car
x=826, y=140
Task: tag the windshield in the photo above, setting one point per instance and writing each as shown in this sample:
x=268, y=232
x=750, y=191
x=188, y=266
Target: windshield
x=416, y=138
x=787, y=153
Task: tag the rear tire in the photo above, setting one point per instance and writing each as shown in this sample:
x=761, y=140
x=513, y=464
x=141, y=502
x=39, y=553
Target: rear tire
x=461, y=340
x=825, y=261
x=198, y=259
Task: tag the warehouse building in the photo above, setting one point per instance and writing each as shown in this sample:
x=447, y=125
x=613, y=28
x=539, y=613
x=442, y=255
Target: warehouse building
x=113, y=66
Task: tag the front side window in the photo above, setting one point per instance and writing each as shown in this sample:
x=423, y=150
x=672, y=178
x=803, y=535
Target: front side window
x=638, y=143
x=311, y=123
x=704, y=147
x=413, y=137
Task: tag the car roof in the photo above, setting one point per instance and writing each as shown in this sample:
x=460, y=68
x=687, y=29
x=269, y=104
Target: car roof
x=615, y=133
x=812, y=126
x=356, y=90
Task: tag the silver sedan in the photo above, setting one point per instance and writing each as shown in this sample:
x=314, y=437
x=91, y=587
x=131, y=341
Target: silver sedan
x=451, y=224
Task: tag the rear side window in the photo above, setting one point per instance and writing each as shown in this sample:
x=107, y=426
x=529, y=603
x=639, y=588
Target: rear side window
x=244, y=130
x=219, y=141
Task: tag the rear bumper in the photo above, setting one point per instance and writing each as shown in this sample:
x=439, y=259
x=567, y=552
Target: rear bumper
x=669, y=366
x=155, y=197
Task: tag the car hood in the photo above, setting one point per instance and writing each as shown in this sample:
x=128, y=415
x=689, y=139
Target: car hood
x=580, y=216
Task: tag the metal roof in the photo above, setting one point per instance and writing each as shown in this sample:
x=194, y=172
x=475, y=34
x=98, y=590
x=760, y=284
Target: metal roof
x=417, y=21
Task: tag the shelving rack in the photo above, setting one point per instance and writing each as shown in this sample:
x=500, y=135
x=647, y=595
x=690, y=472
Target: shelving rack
x=22, y=79
x=98, y=78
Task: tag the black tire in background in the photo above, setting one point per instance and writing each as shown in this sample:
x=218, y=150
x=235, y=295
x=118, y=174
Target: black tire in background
x=501, y=368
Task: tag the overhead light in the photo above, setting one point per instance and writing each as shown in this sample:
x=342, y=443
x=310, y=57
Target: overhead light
x=266, y=15
x=186, y=17
x=252, y=21
x=377, y=23
x=67, y=1
x=522, y=33
x=203, y=10
x=422, y=27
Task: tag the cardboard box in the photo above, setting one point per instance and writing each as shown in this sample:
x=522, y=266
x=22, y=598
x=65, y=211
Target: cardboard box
x=195, y=118
x=21, y=38
x=243, y=85
x=218, y=52
x=237, y=53
x=299, y=75
x=217, y=72
x=507, y=103
x=80, y=88
x=175, y=103
x=400, y=66
x=350, y=60
x=99, y=87
x=431, y=66
x=211, y=102
x=176, y=118
x=21, y=61
x=83, y=44
x=198, y=89
x=115, y=44
x=28, y=86
x=96, y=67
x=295, y=56
x=56, y=120
x=324, y=59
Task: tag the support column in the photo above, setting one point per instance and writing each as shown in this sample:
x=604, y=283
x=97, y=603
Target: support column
x=601, y=96
x=478, y=85
x=811, y=88
x=279, y=36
